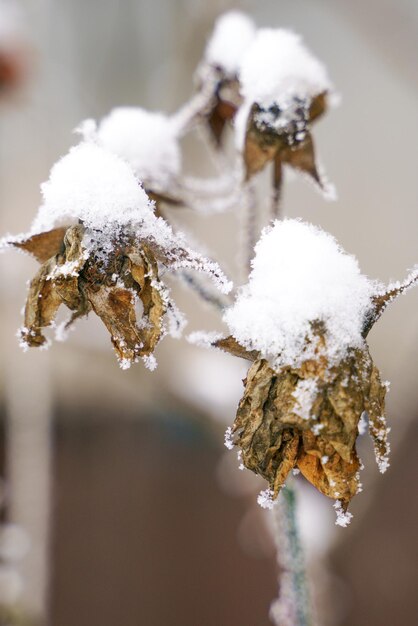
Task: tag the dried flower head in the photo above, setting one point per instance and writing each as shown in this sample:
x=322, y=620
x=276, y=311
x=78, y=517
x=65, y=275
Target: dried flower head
x=303, y=320
x=111, y=261
x=285, y=89
x=220, y=68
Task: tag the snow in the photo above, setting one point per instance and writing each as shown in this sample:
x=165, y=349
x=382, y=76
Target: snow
x=305, y=393
x=300, y=275
x=343, y=517
x=146, y=140
x=228, y=440
x=278, y=65
x=93, y=185
x=233, y=33
x=265, y=499
x=278, y=69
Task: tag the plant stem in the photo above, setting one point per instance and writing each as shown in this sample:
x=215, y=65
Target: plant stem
x=292, y=607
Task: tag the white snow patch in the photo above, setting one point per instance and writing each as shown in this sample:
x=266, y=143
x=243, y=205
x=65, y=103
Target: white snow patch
x=146, y=140
x=277, y=64
x=93, y=185
x=300, y=275
x=233, y=33
x=304, y=394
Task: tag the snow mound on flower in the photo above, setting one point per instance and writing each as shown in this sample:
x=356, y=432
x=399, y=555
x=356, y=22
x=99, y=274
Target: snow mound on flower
x=95, y=186
x=147, y=141
x=278, y=64
x=300, y=275
x=233, y=33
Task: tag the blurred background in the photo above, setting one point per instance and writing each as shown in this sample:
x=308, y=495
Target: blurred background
x=120, y=502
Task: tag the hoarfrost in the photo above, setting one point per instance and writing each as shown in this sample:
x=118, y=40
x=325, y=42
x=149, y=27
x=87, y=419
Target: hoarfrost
x=343, y=517
x=204, y=339
x=228, y=441
x=300, y=275
x=265, y=499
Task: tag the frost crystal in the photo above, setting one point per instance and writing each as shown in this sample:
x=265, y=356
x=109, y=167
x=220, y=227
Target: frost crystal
x=265, y=499
x=146, y=140
x=343, y=517
x=300, y=275
x=229, y=442
x=233, y=33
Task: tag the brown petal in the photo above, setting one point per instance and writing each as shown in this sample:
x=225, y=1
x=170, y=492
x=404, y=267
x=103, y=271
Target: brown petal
x=260, y=146
x=116, y=308
x=231, y=345
x=301, y=156
x=41, y=307
x=318, y=106
x=44, y=245
x=380, y=301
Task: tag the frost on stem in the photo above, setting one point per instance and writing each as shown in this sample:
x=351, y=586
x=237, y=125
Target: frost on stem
x=108, y=257
x=302, y=319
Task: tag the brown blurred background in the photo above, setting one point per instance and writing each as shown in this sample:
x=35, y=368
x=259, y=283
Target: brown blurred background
x=134, y=513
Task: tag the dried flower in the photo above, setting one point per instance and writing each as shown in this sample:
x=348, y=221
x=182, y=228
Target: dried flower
x=312, y=378
x=109, y=263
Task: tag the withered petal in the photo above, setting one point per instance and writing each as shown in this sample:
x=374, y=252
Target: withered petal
x=43, y=246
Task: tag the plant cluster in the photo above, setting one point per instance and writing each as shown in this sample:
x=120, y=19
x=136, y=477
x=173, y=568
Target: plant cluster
x=104, y=243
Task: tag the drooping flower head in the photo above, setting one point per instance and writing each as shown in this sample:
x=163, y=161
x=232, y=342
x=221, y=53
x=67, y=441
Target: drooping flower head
x=102, y=249
x=232, y=34
x=303, y=318
x=284, y=89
